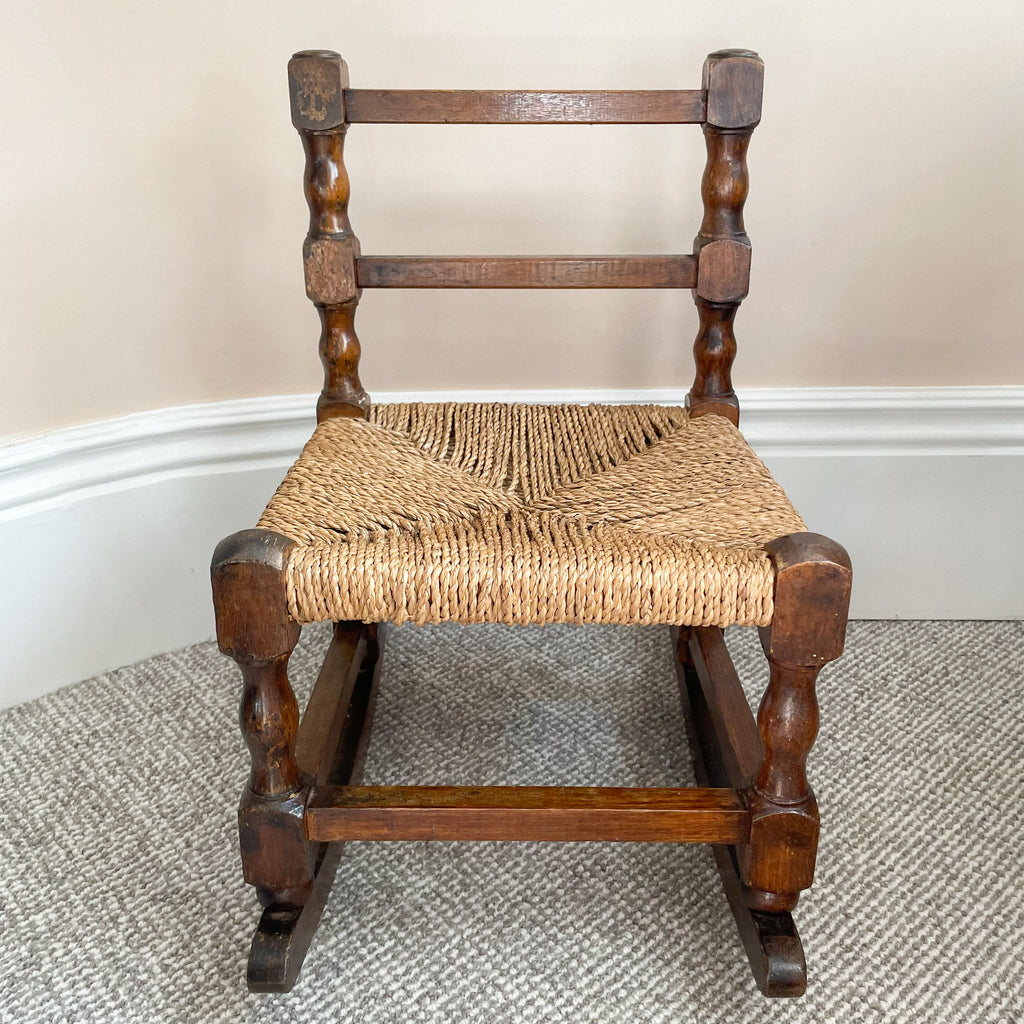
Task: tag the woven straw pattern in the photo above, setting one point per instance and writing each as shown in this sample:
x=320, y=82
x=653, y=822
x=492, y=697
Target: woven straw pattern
x=530, y=514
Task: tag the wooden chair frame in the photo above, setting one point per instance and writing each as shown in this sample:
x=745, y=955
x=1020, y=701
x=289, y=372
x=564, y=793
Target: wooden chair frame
x=303, y=800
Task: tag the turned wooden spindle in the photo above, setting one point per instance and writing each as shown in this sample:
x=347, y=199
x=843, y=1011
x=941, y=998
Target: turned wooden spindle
x=812, y=596
x=733, y=83
x=253, y=627
x=317, y=82
x=787, y=720
x=269, y=719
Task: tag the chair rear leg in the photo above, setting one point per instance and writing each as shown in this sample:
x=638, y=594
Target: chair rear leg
x=812, y=595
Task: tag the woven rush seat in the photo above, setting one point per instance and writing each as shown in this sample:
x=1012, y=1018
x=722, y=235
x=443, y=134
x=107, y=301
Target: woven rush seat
x=523, y=514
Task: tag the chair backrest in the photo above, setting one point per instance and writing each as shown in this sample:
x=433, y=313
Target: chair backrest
x=728, y=105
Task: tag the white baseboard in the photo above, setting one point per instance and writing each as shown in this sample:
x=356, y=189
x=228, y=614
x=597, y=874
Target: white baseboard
x=107, y=528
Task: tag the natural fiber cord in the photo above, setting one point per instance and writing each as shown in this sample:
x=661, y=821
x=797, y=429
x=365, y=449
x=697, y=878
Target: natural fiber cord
x=530, y=514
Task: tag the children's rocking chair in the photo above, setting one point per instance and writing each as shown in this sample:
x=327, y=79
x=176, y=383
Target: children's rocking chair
x=429, y=513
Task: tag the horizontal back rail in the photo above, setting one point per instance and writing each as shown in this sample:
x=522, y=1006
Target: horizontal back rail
x=468, y=106
x=526, y=271
x=727, y=106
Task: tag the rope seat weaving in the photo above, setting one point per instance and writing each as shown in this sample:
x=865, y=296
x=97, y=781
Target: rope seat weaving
x=474, y=512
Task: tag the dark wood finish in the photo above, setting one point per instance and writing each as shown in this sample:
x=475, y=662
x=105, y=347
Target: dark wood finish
x=724, y=186
x=303, y=799
x=250, y=602
x=526, y=271
x=724, y=272
x=812, y=596
x=322, y=722
x=327, y=185
x=330, y=270
x=737, y=739
x=733, y=82
x=447, y=106
x=527, y=813
x=317, y=80
x=770, y=939
x=317, y=83
x=710, y=696
x=714, y=351
x=332, y=744
x=342, y=394
x=813, y=579
x=284, y=935
x=249, y=597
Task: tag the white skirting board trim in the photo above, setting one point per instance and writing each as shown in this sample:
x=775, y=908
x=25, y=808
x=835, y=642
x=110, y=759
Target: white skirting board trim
x=107, y=528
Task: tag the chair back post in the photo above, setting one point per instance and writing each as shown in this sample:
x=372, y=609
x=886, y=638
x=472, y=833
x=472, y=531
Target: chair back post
x=733, y=84
x=317, y=80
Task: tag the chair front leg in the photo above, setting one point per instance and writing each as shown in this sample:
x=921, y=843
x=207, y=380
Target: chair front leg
x=253, y=627
x=812, y=596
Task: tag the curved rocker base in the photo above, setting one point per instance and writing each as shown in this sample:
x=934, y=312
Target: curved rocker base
x=283, y=937
x=771, y=941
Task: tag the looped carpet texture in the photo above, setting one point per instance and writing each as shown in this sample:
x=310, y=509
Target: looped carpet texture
x=121, y=892
x=519, y=514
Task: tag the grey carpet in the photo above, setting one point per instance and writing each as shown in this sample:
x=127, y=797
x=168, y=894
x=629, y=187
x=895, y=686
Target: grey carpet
x=120, y=895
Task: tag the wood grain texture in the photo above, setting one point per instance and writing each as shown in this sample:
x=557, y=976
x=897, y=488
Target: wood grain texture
x=329, y=265
x=284, y=935
x=332, y=744
x=526, y=271
x=250, y=597
x=714, y=350
x=529, y=813
x=724, y=186
x=756, y=807
x=724, y=189
x=317, y=80
x=738, y=741
x=770, y=940
x=733, y=80
x=328, y=705
x=812, y=594
x=326, y=183
x=330, y=249
x=453, y=106
x=250, y=603
x=250, y=607
x=340, y=349
x=724, y=271
x=813, y=581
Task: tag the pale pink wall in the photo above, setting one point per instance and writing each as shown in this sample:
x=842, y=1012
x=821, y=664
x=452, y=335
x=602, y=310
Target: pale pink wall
x=152, y=208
